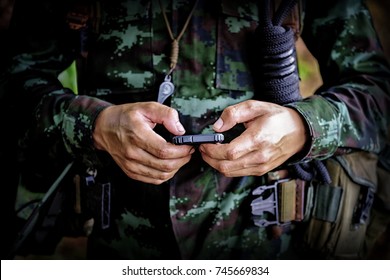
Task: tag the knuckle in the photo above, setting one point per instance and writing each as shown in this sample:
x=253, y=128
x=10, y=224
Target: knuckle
x=157, y=179
x=251, y=104
x=164, y=176
x=162, y=153
x=167, y=166
x=232, y=154
x=172, y=113
x=128, y=154
x=231, y=112
x=263, y=169
x=126, y=166
x=263, y=158
x=223, y=167
x=156, y=182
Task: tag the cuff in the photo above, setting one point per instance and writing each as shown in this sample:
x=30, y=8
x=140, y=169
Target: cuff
x=78, y=127
x=323, y=123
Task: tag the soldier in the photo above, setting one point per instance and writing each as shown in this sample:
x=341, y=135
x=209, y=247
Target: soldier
x=206, y=62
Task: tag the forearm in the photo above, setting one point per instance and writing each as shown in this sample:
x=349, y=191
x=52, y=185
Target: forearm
x=57, y=113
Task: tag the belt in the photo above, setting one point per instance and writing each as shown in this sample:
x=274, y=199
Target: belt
x=280, y=201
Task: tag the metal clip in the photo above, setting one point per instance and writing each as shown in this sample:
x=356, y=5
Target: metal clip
x=90, y=179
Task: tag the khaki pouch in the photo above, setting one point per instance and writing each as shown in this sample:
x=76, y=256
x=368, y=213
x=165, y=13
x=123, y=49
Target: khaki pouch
x=337, y=227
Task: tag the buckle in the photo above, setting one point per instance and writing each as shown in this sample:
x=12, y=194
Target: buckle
x=265, y=208
x=281, y=202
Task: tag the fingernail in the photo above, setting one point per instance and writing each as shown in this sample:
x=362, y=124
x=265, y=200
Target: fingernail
x=180, y=127
x=218, y=124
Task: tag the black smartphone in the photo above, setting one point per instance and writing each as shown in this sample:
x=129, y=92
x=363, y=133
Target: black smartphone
x=198, y=139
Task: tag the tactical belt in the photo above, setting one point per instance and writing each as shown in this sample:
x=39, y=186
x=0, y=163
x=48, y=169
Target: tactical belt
x=280, y=201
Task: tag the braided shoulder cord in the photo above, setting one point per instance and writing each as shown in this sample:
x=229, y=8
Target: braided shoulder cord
x=279, y=78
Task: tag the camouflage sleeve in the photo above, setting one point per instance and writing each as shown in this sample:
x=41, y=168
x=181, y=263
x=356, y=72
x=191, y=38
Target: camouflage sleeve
x=351, y=109
x=41, y=53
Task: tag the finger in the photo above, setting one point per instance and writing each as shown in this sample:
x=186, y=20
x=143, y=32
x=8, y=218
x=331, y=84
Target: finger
x=259, y=170
x=240, y=113
x=241, y=168
x=246, y=143
x=165, y=150
x=156, y=172
x=148, y=178
x=145, y=173
x=253, y=159
x=161, y=157
x=157, y=146
x=158, y=164
x=162, y=114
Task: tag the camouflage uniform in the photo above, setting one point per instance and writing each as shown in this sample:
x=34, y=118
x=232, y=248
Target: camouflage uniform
x=199, y=214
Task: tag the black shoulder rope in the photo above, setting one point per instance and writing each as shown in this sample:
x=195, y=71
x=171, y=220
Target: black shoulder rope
x=279, y=81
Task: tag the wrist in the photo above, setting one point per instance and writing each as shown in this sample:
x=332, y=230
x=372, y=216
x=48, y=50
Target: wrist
x=302, y=135
x=98, y=129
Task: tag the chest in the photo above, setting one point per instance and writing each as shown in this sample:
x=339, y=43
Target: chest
x=134, y=43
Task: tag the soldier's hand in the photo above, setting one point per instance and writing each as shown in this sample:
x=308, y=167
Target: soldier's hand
x=126, y=133
x=273, y=134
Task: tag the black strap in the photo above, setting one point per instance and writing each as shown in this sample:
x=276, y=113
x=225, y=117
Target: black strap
x=279, y=78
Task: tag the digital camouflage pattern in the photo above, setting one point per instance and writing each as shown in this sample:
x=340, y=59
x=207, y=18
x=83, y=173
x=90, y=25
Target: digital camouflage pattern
x=201, y=213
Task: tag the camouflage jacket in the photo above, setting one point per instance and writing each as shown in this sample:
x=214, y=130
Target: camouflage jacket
x=209, y=214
